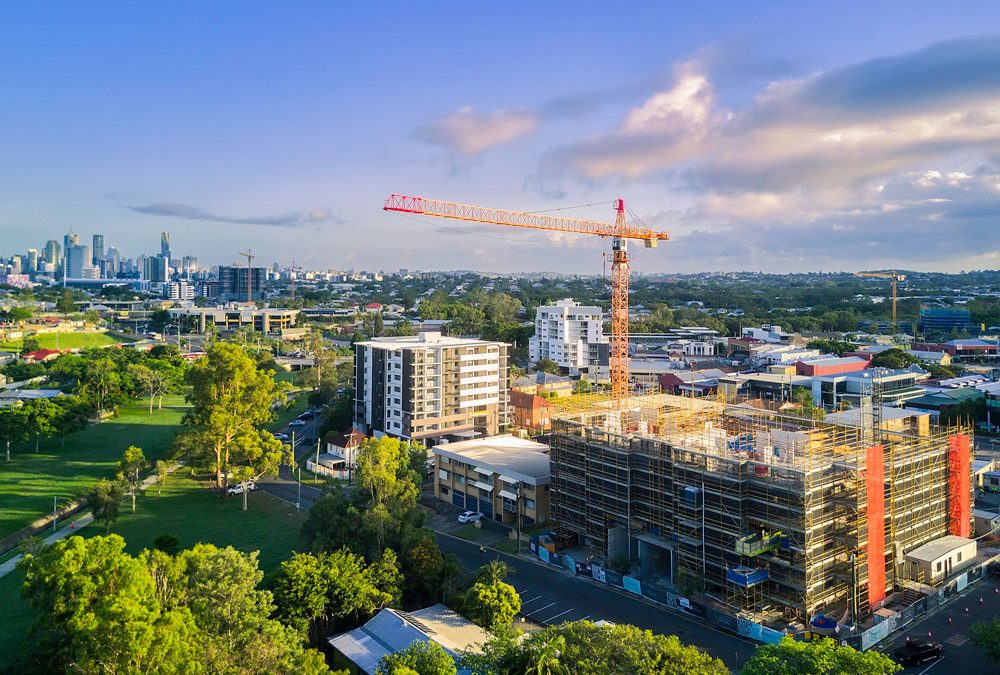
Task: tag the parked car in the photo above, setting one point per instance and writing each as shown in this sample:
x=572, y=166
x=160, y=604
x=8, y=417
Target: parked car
x=281, y=437
x=307, y=415
x=238, y=488
x=470, y=517
x=297, y=423
x=915, y=652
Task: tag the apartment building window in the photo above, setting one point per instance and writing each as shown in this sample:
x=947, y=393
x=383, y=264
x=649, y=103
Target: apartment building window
x=444, y=490
x=443, y=474
x=529, y=504
x=461, y=481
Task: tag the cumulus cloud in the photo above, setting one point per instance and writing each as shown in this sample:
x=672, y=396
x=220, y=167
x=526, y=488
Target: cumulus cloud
x=186, y=212
x=846, y=125
x=468, y=133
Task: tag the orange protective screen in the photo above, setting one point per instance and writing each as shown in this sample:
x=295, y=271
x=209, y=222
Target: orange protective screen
x=875, y=488
x=959, y=480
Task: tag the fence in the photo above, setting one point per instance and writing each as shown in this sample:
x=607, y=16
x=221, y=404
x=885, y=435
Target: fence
x=660, y=596
x=890, y=624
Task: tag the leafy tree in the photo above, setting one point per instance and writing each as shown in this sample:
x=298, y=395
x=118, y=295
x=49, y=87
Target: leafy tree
x=42, y=416
x=72, y=416
x=258, y=454
x=162, y=473
x=230, y=397
x=167, y=543
x=105, y=500
x=385, y=474
x=986, y=636
x=19, y=315
x=422, y=658
x=102, y=384
x=837, y=347
x=13, y=426
x=822, y=657
x=582, y=648
x=152, y=382
x=340, y=416
x=894, y=358
x=492, y=605
x=65, y=304
x=547, y=366
x=30, y=344
x=428, y=575
x=131, y=463
x=315, y=592
x=19, y=371
x=97, y=612
x=378, y=325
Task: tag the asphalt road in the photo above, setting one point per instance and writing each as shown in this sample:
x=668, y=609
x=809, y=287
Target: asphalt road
x=551, y=596
x=950, y=626
x=286, y=486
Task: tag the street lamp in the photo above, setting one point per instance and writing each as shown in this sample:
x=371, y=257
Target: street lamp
x=298, y=499
x=517, y=509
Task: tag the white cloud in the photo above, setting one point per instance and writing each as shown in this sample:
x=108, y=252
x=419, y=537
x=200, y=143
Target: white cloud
x=468, y=132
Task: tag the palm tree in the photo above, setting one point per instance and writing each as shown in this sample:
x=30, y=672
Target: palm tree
x=547, y=660
x=494, y=572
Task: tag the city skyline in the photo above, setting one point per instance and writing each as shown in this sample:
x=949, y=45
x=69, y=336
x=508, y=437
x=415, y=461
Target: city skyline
x=787, y=139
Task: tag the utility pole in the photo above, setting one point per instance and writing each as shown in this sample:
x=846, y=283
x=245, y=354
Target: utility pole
x=518, y=509
x=54, y=500
x=316, y=467
x=298, y=499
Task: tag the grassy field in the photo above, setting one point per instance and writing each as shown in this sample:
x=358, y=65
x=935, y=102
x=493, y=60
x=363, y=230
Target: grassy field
x=190, y=510
x=30, y=481
x=69, y=341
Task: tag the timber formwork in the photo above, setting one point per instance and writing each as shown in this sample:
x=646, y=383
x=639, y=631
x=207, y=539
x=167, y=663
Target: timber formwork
x=770, y=512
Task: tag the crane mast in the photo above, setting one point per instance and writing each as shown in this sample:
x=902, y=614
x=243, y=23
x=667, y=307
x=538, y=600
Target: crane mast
x=896, y=278
x=619, y=232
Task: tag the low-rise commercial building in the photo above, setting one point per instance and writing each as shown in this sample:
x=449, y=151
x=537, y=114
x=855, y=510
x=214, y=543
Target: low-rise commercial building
x=498, y=476
x=225, y=319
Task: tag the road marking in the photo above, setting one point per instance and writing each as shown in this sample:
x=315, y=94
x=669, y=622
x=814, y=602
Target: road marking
x=553, y=618
x=585, y=618
x=542, y=609
x=931, y=666
x=525, y=602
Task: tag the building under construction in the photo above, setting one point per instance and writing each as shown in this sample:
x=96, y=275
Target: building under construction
x=766, y=513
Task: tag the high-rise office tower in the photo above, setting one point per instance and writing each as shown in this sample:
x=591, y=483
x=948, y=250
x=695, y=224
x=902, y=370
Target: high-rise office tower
x=165, y=244
x=53, y=252
x=98, y=248
x=114, y=259
x=32, y=260
x=78, y=259
x=155, y=269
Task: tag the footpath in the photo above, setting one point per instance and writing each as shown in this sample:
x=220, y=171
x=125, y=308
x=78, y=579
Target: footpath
x=79, y=523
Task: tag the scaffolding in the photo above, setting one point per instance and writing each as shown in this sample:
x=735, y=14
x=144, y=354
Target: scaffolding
x=766, y=510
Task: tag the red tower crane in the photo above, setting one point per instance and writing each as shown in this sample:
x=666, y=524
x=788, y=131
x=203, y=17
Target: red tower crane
x=619, y=232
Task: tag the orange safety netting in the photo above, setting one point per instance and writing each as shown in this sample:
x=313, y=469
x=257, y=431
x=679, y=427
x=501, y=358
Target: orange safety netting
x=875, y=488
x=959, y=482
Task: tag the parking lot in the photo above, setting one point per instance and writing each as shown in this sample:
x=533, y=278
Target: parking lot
x=547, y=609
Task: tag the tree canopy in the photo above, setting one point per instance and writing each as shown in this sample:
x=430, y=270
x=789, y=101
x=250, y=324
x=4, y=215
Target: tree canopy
x=822, y=657
x=583, y=648
x=421, y=658
x=202, y=611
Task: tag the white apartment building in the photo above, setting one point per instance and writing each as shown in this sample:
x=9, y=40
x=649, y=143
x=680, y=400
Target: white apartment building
x=570, y=334
x=431, y=388
x=179, y=290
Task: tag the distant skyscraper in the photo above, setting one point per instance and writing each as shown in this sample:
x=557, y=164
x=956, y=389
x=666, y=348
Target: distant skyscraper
x=32, y=260
x=77, y=260
x=155, y=269
x=189, y=265
x=165, y=244
x=53, y=252
x=98, y=248
x=114, y=259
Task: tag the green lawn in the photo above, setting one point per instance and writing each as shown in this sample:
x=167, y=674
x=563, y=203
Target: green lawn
x=190, y=510
x=29, y=481
x=70, y=340
x=300, y=403
x=471, y=532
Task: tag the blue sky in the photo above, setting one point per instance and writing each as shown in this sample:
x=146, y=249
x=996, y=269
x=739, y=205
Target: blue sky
x=780, y=136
